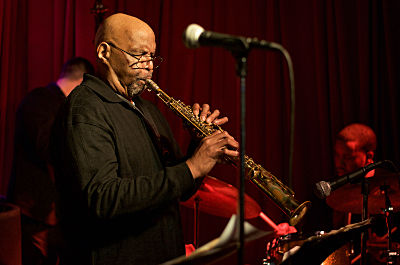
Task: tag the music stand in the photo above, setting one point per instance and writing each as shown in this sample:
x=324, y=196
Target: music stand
x=222, y=246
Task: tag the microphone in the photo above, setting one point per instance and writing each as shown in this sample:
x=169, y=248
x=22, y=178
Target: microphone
x=195, y=36
x=324, y=188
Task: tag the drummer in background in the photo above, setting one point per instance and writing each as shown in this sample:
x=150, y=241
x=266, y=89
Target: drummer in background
x=354, y=148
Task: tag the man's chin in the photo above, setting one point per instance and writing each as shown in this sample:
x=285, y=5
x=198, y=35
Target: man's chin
x=135, y=90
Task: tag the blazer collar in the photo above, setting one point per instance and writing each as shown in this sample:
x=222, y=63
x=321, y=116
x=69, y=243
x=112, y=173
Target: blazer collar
x=101, y=88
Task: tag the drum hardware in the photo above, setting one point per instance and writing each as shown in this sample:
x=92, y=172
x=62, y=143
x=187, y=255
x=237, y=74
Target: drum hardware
x=369, y=197
x=269, y=221
x=196, y=222
x=269, y=260
x=324, y=248
x=391, y=254
x=379, y=252
x=349, y=198
x=218, y=198
x=365, y=192
x=364, y=216
x=276, y=250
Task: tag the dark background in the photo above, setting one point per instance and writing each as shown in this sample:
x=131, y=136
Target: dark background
x=346, y=66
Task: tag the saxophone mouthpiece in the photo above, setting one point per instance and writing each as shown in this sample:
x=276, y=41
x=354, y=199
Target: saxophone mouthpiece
x=151, y=85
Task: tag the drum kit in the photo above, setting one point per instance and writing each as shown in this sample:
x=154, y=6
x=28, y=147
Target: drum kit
x=218, y=198
x=383, y=202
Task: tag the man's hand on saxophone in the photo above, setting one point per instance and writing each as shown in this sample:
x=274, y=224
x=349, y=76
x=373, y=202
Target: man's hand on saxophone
x=212, y=148
x=207, y=116
x=210, y=151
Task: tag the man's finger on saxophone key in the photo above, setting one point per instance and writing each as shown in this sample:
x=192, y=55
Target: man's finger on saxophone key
x=220, y=121
x=207, y=116
x=196, y=109
x=213, y=117
x=232, y=147
x=227, y=144
x=205, y=111
x=233, y=153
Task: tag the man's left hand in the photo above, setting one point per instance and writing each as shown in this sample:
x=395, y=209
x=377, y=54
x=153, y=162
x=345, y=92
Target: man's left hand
x=207, y=116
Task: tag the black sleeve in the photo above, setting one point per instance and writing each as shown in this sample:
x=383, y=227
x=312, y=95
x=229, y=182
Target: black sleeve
x=168, y=139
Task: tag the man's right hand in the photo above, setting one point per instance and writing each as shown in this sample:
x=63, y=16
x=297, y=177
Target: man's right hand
x=210, y=151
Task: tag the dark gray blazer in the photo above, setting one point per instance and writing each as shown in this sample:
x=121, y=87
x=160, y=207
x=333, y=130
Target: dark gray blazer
x=119, y=179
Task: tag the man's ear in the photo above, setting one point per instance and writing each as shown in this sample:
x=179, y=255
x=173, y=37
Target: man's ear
x=103, y=51
x=370, y=157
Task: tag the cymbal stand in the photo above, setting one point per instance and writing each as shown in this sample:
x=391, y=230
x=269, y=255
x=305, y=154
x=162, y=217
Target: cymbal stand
x=391, y=255
x=196, y=222
x=365, y=192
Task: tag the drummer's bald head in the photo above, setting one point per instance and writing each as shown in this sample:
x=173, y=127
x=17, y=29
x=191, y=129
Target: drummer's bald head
x=119, y=28
x=360, y=133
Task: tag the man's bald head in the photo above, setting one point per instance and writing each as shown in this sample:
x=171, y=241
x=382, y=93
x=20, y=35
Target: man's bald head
x=120, y=28
x=360, y=133
x=354, y=148
x=125, y=48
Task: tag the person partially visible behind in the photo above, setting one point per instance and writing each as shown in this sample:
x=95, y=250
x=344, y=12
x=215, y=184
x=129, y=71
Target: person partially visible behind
x=32, y=182
x=354, y=148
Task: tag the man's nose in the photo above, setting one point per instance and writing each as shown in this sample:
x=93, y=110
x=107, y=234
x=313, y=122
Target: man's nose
x=148, y=64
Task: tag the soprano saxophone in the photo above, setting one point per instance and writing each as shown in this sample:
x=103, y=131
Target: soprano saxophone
x=279, y=193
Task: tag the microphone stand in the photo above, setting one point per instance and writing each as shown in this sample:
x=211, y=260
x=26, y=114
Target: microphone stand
x=240, y=52
x=365, y=192
x=241, y=71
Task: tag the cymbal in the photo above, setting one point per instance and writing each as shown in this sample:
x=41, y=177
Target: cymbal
x=219, y=198
x=349, y=198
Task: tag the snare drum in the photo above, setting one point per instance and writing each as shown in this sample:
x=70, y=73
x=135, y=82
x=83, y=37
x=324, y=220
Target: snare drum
x=278, y=247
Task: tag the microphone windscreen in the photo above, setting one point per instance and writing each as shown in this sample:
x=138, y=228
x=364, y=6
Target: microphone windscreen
x=322, y=189
x=191, y=36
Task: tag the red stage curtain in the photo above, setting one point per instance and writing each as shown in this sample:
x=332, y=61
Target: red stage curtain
x=346, y=66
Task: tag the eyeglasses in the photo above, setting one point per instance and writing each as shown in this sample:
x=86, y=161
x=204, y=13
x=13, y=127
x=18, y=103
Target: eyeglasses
x=147, y=57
